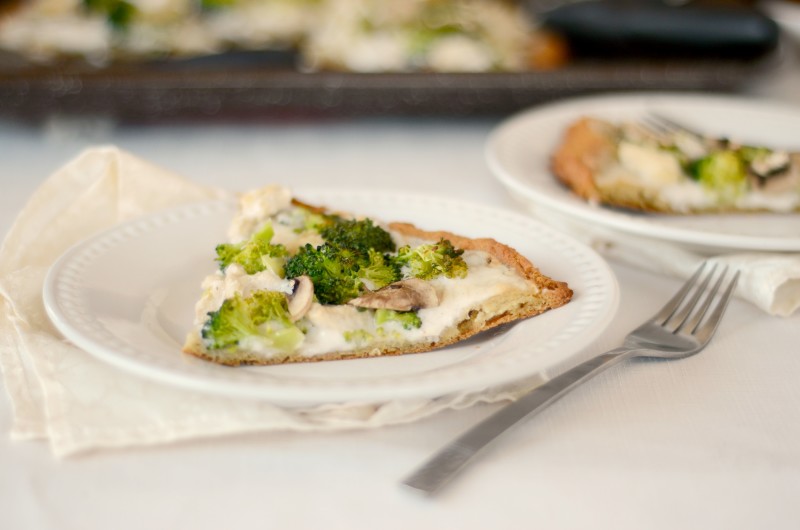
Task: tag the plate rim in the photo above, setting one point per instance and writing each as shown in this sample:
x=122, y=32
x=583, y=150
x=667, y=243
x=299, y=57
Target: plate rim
x=325, y=393
x=625, y=222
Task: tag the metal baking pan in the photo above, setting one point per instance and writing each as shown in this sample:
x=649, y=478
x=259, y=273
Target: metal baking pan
x=257, y=85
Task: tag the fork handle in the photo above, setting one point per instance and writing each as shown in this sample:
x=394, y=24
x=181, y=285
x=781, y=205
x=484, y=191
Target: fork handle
x=444, y=465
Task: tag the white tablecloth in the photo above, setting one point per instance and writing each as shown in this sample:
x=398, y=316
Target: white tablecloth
x=709, y=442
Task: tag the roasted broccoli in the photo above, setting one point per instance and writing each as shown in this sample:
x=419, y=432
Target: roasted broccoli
x=351, y=259
x=331, y=269
x=431, y=260
x=314, y=221
x=723, y=171
x=300, y=218
x=750, y=154
x=378, y=270
x=255, y=254
x=407, y=319
x=355, y=257
x=360, y=235
x=216, y=4
x=262, y=318
x=341, y=274
x=118, y=13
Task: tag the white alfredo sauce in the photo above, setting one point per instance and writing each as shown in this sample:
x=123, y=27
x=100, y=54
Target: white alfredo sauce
x=329, y=326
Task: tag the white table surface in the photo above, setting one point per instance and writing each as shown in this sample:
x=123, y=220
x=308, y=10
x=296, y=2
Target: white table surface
x=709, y=442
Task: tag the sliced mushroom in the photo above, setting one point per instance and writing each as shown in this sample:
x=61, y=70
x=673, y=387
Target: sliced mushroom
x=405, y=295
x=301, y=298
x=770, y=165
x=777, y=173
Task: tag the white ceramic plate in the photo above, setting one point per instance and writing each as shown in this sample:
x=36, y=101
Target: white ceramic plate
x=127, y=297
x=519, y=149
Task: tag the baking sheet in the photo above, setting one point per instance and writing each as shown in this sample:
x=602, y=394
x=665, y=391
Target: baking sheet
x=254, y=85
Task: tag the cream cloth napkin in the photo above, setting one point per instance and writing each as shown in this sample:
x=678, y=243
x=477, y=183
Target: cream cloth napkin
x=77, y=403
x=769, y=280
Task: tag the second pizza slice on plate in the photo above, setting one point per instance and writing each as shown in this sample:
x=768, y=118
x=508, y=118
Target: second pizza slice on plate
x=627, y=165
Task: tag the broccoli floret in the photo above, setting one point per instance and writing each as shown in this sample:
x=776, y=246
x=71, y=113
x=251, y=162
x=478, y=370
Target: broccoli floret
x=216, y=4
x=301, y=218
x=314, y=221
x=255, y=254
x=118, y=13
x=407, y=319
x=360, y=235
x=379, y=270
x=750, y=154
x=723, y=172
x=354, y=258
x=431, y=260
x=340, y=274
x=332, y=271
x=262, y=317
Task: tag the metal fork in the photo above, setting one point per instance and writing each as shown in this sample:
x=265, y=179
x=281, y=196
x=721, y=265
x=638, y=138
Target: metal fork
x=662, y=125
x=665, y=127
x=681, y=328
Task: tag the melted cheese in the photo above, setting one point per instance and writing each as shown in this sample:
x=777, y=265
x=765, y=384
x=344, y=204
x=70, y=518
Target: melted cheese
x=647, y=170
x=651, y=166
x=255, y=208
x=329, y=327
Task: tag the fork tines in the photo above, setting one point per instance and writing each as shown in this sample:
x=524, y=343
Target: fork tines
x=663, y=125
x=687, y=309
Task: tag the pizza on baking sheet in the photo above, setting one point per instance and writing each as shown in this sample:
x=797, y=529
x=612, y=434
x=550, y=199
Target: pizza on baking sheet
x=346, y=35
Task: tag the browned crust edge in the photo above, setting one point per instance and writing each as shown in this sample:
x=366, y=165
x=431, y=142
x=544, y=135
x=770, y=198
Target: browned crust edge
x=584, y=148
x=503, y=253
x=545, y=294
x=587, y=149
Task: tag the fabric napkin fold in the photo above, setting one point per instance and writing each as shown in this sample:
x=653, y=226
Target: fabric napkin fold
x=769, y=280
x=61, y=393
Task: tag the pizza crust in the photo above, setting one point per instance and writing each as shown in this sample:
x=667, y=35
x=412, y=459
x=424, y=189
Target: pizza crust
x=583, y=152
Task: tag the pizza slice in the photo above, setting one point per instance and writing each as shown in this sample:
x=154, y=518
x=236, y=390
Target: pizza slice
x=300, y=283
x=627, y=165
